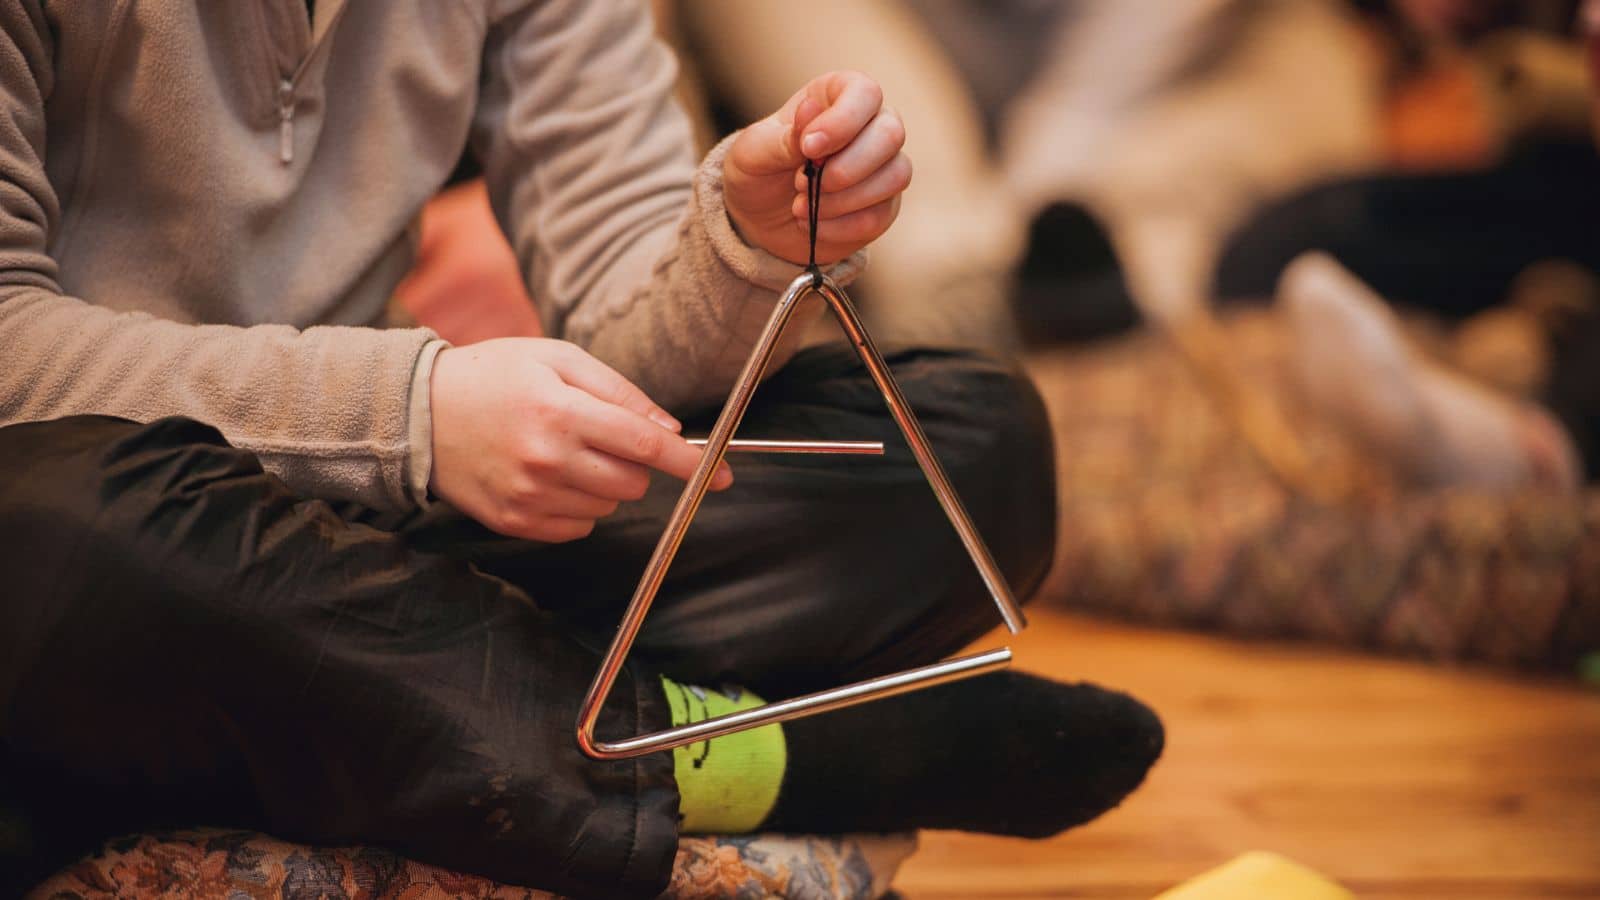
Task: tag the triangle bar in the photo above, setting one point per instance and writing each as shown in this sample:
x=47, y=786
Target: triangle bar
x=716, y=447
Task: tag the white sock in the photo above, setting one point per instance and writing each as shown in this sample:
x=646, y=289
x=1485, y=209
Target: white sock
x=1435, y=426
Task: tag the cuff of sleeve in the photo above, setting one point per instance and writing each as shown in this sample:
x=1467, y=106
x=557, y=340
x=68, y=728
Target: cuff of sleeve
x=419, y=424
x=752, y=264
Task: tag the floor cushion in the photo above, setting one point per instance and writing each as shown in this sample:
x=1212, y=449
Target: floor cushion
x=245, y=865
x=1169, y=517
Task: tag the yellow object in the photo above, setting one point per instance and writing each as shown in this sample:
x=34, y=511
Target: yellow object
x=1258, y=876
x=732, y=790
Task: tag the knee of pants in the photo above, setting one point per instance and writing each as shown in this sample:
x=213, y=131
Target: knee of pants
x=992, y=434
x=989, y=430
x=899, y=556
x=83, y=591
x=104, y=487
x=90, y=513
x=56, y=489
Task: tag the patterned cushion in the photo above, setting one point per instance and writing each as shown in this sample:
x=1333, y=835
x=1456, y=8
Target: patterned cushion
x=1169, y=517
x=245, y=865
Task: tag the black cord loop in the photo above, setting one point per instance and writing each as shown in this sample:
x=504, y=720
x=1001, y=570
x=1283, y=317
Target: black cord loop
x=813, y=202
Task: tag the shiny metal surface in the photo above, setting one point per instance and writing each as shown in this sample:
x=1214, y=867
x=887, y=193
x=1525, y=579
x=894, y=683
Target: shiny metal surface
x=812, y=704
x=993, y=579
x=717, y=445
x=845, y=448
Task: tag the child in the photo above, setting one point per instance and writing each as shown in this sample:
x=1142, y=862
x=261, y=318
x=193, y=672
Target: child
x=293, y=618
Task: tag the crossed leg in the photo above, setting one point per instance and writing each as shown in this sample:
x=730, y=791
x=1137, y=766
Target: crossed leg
x=186, y=642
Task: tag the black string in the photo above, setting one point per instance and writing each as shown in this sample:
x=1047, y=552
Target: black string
x=813, y=202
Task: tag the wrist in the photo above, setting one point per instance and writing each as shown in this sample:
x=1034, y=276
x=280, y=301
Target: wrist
x=419, y=426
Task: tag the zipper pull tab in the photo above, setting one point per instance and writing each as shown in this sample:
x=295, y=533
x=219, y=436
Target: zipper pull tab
x=285, y=121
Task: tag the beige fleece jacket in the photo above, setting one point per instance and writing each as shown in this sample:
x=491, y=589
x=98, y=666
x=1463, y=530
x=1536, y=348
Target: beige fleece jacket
x=205, y=206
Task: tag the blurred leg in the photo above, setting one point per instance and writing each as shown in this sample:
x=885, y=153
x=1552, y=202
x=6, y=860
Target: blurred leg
x=1449, y=243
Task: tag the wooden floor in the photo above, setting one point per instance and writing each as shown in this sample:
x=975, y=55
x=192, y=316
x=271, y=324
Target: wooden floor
x=1396, y=779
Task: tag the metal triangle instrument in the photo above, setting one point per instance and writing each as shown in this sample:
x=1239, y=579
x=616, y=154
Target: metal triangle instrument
x=717, y=445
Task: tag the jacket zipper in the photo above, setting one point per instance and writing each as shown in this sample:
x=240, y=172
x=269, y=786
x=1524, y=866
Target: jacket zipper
x=285, y=121
x=286, y=89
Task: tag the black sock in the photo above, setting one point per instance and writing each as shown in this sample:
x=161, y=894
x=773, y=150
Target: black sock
x=1007, y=753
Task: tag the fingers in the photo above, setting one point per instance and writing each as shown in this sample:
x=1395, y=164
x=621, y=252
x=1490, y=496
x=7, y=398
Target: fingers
x=885, y=184
x=873, y=149
x=581, y=370
x=858, y=228
x=596, y=483
x=570, y=503
x=850, y=101
x=806, y=110
x=861, y=183
x=766, y=148
x=542, y=512
x=625, y=434
x=603, y=475
x=549, y=529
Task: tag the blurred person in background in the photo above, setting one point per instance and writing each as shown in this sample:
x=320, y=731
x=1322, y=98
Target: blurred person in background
x=1079, y=162
x=1486, y=217
x=1090, y=162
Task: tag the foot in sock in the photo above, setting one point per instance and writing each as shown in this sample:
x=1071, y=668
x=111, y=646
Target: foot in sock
x=1437, y=427
x=1008, y=753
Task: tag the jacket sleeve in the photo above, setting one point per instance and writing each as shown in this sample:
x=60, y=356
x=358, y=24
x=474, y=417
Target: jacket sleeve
x=625, y=243
x=325, y=408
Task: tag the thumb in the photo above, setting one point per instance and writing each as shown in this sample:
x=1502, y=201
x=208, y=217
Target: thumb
x=768, y=147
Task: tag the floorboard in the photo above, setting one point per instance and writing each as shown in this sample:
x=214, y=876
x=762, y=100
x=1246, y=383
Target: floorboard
x=1396, y=779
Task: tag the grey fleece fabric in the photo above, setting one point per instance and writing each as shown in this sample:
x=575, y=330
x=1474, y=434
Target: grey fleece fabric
x=205, y=206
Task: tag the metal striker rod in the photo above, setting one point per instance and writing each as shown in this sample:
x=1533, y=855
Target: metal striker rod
x=845, y=448
x=717, y=446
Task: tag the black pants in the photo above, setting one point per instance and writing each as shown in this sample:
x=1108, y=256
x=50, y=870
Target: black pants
x=1451, y=244
x=185, y=642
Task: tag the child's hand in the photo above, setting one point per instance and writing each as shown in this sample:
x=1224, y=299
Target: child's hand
x=838, y=117
x=537, y=439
